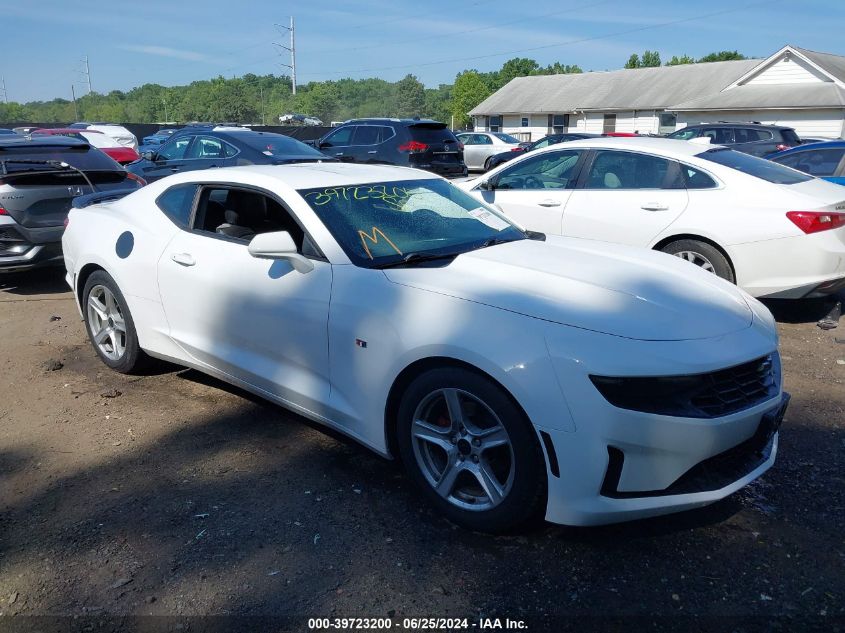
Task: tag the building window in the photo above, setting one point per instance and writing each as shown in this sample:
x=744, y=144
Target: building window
x=495, y=124
x=558, y=123
x=524, y=122
x=668, y=121
x=609, y=123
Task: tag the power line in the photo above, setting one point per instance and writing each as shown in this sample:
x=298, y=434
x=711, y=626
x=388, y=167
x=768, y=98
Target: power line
x=547, y=46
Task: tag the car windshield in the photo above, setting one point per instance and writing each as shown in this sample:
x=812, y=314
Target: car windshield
x=278, y=145
x=507, y=138
x=753, y=166
x=390, y=222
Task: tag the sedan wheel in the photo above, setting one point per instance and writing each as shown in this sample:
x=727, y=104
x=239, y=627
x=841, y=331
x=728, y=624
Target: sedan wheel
x=110, y=325
x=703, y=255
x=471, y=450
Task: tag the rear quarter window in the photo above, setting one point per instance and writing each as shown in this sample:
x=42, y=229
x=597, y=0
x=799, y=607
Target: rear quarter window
x=177, y=204
x=753, y=166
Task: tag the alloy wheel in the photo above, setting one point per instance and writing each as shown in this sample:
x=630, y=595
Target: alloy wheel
x=462, y=449
x=698, y=259
x=106, y=323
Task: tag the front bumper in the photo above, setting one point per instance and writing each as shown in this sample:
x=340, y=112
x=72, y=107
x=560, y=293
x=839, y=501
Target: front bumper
x=618, y=464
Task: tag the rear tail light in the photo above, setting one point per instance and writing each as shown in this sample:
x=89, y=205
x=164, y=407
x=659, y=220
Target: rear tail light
x=141, y=182
x=460, y=145
x=67, y=220
x=816, y=221
x=781, y=146
x=3, y=211
x=415, y=147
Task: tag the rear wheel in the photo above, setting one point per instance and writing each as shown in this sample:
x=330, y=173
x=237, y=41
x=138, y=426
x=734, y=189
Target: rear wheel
x=703, y=255
x=487, y=166
x=471, y=450
x=109, y=324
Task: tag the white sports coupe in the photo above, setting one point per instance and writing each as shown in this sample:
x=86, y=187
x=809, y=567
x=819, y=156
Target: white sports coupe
x=774, y=231
x=514, y=375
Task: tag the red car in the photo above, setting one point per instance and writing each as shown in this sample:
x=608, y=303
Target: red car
x=102, y=142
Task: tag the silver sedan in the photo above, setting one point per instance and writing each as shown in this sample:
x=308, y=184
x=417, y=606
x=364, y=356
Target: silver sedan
x=480, y=146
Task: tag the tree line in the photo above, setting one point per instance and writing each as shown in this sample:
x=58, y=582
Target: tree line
x=260, y=99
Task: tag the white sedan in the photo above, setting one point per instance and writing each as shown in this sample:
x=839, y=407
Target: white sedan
x=480, y=146
x=774, y=231
x=514, y=376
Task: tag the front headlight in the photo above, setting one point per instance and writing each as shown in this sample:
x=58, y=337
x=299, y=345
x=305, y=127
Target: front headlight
x=710, y=395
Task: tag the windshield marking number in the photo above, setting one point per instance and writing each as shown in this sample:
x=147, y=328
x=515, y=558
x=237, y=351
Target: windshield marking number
x=374, y=239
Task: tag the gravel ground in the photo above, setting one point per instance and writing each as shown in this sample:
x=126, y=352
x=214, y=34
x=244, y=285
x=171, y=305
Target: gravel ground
x=172, y=494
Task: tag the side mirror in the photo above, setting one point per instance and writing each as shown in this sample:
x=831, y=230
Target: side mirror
x=311, y=142
x=149, y=155
x=487, y=185
x=279, y=245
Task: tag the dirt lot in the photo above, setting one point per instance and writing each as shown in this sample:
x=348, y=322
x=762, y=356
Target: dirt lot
x=173, y=494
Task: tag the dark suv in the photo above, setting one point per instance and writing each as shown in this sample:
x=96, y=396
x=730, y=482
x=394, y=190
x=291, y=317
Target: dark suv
x=420, y=143
x=39, y=179
x=751, y=138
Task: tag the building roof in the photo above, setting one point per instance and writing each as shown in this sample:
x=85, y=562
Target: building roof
x=832, y=64
x=628, y=89
x=762, y=97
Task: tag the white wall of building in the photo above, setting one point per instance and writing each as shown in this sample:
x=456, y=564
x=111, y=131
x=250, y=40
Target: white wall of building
x=809, y=123
x=788, y=70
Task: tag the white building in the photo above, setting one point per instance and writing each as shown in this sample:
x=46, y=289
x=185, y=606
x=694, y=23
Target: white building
x=794, y=87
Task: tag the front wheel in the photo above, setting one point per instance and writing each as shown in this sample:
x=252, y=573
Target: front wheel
x=703, y=255
x=471, y=450
x=109, y=324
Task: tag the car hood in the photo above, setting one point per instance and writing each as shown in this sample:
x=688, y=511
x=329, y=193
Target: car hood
x=633, y=293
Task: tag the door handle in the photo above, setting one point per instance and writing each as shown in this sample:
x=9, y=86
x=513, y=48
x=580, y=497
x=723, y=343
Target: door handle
x=549, y=203
x=339, y=154
x=186, y=259
x=654, y=206
x=176, y=168
x=373, y=151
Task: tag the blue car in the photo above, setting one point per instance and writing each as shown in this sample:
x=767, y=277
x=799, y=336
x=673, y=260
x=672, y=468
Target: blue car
x=825, y=160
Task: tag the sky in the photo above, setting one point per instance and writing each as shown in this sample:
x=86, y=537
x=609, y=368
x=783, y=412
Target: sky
x=174, y=42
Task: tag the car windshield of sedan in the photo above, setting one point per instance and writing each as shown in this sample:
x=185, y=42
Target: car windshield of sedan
x=387, y=223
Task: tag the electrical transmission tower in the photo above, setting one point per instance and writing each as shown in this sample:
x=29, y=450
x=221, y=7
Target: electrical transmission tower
x=291, y=49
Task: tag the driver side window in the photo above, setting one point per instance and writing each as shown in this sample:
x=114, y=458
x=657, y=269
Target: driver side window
x=241, y=214
x=549, y=170
x=341, y=137
x=175, y=149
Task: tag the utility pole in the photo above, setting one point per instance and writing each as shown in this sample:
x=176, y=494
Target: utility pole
x=261, y=90
x=291, y=49
x=87, y=73
x=164, y=101
x=5, y=94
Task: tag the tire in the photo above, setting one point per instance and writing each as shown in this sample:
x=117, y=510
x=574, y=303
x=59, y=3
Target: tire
x=118, y=349
x=487, y=165
x=515, y=471
x=703, y=255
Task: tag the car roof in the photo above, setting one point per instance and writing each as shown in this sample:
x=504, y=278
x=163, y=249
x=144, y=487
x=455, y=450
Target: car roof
x=810, y=146
x=42, y=141
x=391, y=120
x=667, y=146
x=309, y=175
x=764, y=126
x=64, y=130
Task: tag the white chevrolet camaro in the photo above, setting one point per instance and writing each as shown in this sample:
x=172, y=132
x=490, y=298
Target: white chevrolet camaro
x=514, y=375
x=774, y=231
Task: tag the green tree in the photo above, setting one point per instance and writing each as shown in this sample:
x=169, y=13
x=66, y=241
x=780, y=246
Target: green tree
x=469, y=90
x=678, y=61
x=722, y=56
x=633, y=61
x=516, y=67
x=410, y=97
x=561, y=69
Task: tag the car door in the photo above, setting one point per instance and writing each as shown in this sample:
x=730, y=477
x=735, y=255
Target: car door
x=338, y=143
x=534, y=190
x=363, y=147
x=477, y=151
x=470, y=149
x=170, y=158
x=257, y=320
x=625, y=197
